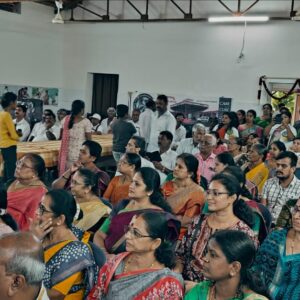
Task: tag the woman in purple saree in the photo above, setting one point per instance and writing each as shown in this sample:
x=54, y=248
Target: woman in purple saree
x=144, y=195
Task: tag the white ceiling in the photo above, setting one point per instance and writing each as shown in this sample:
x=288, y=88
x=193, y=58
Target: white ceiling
x=165, y=9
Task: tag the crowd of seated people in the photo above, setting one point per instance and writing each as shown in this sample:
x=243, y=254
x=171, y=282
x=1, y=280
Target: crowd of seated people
x=214, y=216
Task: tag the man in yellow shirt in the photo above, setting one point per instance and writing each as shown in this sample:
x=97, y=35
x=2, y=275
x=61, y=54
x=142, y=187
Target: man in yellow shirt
x=8, y=135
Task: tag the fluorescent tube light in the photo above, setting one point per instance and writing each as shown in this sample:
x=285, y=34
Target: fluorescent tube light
x=238, y=19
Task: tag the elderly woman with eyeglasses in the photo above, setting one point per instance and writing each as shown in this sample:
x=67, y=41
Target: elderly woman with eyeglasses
x=278, y=260
x=70, y=266
x=84, y=187
x=118, y=187
x=226, y=211
x=143, y=271
x=25, y=192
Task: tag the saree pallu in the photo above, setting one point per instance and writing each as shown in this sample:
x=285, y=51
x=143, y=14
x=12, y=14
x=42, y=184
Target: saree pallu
x=262, y=221
x=193, y=246
x=119, y=218
x=70, y=269
x=185, y=203
x=258, y=175
x=150, y=284
x=246, y=131
x=93, y=212
x=281, y=272
x=23, y=203
x=202, y=291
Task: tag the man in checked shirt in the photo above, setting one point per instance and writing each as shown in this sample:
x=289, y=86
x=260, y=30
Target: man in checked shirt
x=278, y=190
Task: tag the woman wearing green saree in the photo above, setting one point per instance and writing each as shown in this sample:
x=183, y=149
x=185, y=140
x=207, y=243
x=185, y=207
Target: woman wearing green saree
x=230, y=254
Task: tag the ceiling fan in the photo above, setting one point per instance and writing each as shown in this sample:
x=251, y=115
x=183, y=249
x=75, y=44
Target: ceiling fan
x=58, y=19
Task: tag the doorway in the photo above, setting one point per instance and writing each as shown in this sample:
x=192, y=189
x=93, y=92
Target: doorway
x=105, y=92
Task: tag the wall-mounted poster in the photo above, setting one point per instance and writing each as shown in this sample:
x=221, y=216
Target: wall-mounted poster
x=194, y=109
x=49, y=96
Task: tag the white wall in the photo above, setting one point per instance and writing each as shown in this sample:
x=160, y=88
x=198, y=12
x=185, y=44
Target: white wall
x=31, y=48
x=193, y=59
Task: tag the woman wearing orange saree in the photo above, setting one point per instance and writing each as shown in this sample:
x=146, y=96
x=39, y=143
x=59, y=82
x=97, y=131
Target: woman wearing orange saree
x=25, y=193
x=183, y=193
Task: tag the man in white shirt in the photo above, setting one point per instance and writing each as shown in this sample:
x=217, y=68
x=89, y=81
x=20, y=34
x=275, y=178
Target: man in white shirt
x=168, y=156
x=105, y=124
x=163, y=121
x=95, y=119
x=191, y=145
x=47, y=131
x=61, y=113
x=180, y=131
x=37, y=126
x=22, y=126
x=146, y=120
x=135, y=117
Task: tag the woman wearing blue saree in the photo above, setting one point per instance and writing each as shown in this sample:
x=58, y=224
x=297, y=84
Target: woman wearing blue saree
x=70, y=266
x=278, y=260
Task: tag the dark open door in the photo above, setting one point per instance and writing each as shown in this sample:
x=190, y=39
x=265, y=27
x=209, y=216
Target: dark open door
x=105, y=92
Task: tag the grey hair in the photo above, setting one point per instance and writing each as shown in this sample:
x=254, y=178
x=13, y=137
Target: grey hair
x=31, y=268
x=198, y=126
x=213, y=139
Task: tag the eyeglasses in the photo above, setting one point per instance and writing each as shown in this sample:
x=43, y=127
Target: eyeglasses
x=205, y=143
x=74, y=182
x=134, y=232
x=123, y=162
x=215, y=193
x=21, y=164
x=43, y=209
x=295, y=209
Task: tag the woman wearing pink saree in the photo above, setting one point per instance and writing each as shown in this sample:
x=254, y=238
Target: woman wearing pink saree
x=25, y=193
x=75, y=130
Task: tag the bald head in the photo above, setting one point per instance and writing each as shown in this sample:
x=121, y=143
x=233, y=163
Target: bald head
x=21, y=244
x=21, y=266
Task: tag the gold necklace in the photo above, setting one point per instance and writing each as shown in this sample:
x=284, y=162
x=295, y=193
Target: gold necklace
x=128, y=261
x=292, y=241
x=213, y=294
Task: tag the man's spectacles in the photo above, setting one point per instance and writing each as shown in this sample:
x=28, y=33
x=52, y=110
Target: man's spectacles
x=134, y=232
x=215, y=193
x=123, y=162
x=206, y=143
